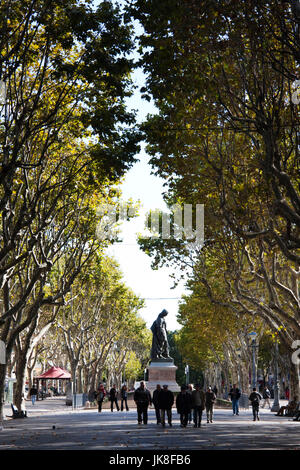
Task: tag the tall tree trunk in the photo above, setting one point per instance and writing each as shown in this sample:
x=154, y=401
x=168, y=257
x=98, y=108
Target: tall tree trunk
x=74, y=365
x=20, y=376
x=92, y=382
x=227, y=382
x=30, y=377
x=79, y=375
x=100, y=377
x=2, y=387
x=87, y=380
x=108, y=380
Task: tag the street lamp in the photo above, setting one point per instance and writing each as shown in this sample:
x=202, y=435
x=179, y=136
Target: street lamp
x=124, y=375
x=276, y=405
x=187, y=375
x=239, y=353
x=114, y=360
x=253, y=336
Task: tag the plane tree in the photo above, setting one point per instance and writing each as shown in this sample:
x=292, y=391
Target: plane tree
x=222, y=76
x=64, y=142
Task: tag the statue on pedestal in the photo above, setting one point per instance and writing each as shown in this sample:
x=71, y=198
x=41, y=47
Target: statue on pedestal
x=160, y=345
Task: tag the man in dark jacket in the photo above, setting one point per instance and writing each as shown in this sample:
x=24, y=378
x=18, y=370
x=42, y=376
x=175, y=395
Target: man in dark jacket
x=33, y=394
x=155, y=403
x=113, y=396
x=198, y=404
x=210, y=399
x=255, y=398
x=100, y=395
x=235, y=395
x=165, y=403
x=124, y=397
x=142, y=398
x=184, y=406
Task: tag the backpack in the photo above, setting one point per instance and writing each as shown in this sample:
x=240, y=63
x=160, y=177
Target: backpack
x=255, y=399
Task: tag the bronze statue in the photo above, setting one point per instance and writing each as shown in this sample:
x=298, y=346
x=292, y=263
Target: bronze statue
x=160, y=345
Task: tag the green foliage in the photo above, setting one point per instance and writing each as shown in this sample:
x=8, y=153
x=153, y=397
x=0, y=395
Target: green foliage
x=226, y=129
x=66, y=137
x=221, y=75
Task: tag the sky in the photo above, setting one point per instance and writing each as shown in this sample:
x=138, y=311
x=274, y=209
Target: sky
x=155, y=286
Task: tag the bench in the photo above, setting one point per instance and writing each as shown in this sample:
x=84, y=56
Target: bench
x=17, y=413
x=292, y=413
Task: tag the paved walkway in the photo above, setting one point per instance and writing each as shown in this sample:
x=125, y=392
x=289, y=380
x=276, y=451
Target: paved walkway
x=51, y=425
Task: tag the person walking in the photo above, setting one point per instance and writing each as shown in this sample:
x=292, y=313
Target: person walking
x=165, y=403
x=33, y=394
x=235, y=395
x=198, y=404
x=190, y=390
x=155, y=403
x=142, y=398
x=266, y=397
x=100, y=395
x=184, y=406
x=210, y=399
x=113, y=396
x=255, y=398
x=124, y=396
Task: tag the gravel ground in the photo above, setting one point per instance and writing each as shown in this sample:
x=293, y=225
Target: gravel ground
x=51, y=425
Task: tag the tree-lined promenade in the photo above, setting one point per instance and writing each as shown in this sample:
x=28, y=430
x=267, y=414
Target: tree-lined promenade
x=224, y=78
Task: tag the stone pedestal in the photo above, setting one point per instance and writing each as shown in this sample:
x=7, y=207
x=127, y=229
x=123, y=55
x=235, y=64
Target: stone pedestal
x=163, y=373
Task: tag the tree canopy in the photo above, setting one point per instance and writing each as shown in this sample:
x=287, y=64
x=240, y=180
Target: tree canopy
x=222, y=76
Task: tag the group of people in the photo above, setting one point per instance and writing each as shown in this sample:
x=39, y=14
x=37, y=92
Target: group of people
x=101, y=393
x=187, y=401
x=255, y=397
x=190, y=403
x=291, y=409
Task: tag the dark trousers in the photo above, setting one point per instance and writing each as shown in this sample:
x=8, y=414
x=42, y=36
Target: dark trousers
x=124, y=400
x=163, y=413
x=142, y=411
x=100, y=405
x=184, y=417
x=235, y=406
x=255, y=410
x=114, y=400
x=197, y=415
x=157, y=413
x=209, y=411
